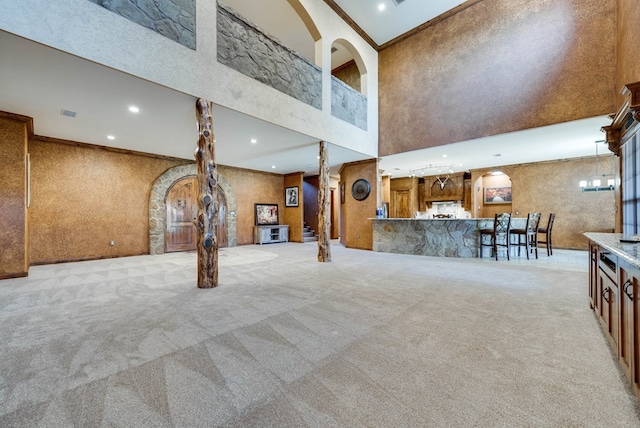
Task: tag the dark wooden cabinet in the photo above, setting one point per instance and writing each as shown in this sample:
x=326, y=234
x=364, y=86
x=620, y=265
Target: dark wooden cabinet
x=444, y=188
x=593, y=277
x=610, y=297
x=613, y=289
x=628, y=342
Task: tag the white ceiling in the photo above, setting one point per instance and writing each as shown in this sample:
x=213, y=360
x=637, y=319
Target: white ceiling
x=166, y=123
x=561, y=141
x=395, y=20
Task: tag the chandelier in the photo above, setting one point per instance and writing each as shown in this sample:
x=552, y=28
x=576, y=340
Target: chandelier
x=599, y=182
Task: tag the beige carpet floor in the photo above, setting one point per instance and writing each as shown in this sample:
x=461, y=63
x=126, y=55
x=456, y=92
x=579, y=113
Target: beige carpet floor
x=370, y=339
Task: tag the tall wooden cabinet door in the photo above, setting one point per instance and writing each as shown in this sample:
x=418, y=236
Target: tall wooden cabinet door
x=402, y=204
x=626, y=345
x=610, y=308
x=593, y=278
x=182, y=209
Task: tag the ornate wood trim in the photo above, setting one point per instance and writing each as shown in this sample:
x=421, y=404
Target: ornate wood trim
x=626, y=121
x=346, y=18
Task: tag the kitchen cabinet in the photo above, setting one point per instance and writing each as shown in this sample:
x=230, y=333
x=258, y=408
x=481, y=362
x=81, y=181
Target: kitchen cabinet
x=614, y=283
x=629, y=324
x=608, y=291
x=446, y=187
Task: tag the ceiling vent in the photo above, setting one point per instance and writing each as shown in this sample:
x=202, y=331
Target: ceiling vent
x=398, y=2
x=68, y=113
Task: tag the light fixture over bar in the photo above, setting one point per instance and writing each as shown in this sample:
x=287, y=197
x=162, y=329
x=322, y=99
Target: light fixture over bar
x=595, y=184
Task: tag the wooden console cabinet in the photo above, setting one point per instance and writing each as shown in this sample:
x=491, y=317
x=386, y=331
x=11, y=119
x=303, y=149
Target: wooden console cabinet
x=270, y=234
x=613, y=289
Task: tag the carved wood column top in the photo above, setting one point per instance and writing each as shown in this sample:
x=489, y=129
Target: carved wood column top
x=627, y=118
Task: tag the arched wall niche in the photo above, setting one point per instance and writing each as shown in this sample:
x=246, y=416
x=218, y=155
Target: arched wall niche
x=483, y=204
x=157, y=206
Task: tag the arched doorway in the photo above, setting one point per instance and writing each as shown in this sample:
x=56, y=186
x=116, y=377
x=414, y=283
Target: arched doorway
x=181, y=210
x=158, y=210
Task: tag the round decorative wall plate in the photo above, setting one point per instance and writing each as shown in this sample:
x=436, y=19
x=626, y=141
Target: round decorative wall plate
x=360, y=189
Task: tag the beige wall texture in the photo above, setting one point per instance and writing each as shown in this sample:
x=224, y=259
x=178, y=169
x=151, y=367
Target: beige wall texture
x=548, y=187
x=499, y=66
x=83, y=197
x=355, y=229
x=13, y=194
x=349, y=74
x=294, y=216
x=628, y=67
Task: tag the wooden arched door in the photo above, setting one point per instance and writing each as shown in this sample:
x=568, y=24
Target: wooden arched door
x=182, y=209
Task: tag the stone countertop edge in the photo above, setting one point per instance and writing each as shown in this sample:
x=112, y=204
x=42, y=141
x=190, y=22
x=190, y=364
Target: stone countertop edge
x=429, y=219
x=629, y=252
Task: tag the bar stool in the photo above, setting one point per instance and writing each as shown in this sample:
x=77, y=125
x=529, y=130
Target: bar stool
x=529, y=233
x=546, y=231
x=498, y=236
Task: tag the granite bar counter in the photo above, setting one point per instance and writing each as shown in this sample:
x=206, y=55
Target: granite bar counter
x=627, y=251
x=446, y=237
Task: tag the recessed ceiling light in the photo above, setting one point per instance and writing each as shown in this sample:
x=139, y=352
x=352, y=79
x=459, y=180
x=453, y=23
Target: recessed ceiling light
x=382, y=7
x=110, y=137
x=273, y=166
x=444, y=156
x=254, y=141
x=134, y=109
x=317, y=157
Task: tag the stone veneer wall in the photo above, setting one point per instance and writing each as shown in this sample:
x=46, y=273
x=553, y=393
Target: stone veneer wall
x=158, y=209
x=348, y=104
x=434, y=237
x=174, y=19
x=249, y=50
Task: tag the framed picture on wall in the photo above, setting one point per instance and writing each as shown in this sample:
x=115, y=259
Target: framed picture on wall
x=497, y=195
x=291, y=196
x=342, y=192
x=266, y=214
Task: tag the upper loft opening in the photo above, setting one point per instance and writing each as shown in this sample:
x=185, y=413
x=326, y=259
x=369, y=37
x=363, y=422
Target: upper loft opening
x=347, y=65
x=285, y=20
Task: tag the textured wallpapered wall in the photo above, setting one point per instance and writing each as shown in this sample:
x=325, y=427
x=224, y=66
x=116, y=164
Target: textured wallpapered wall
x=13, y=211
x=498, y=66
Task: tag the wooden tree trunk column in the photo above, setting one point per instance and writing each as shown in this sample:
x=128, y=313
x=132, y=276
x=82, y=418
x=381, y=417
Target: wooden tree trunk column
x=206, y=222
x=324, y=206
